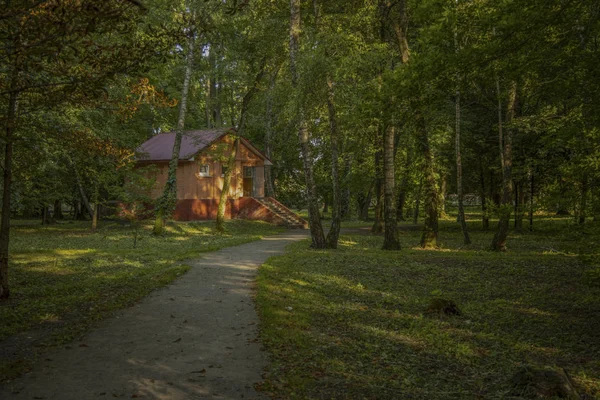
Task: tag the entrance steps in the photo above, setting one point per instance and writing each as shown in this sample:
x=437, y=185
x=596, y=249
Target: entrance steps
x=284, y=215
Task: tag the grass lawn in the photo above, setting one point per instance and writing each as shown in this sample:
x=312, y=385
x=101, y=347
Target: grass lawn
x=351, y=323
x=64, y=277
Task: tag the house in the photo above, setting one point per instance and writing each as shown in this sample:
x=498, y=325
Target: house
x=202, y=162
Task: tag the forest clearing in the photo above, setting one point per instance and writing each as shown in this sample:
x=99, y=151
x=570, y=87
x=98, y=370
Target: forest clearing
x=354, y=322
x=443, y=157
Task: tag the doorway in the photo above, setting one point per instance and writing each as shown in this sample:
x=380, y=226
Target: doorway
x=249, y=181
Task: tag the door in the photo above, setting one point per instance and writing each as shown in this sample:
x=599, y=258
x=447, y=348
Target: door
x=248, y=181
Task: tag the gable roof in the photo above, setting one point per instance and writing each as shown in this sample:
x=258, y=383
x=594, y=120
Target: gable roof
x=160, y=147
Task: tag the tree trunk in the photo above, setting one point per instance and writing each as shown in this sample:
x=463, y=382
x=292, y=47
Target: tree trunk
x=364, y=202
x=7, y=182
x=84, y=197
x=316, y=230
x=485, y=220
x=269, y=189
x=345, y=200
x=378, y=224
x=334, y=231
x=168, y=200
x=531, y=193
x=95, y=216
x=417, y=203
x=442, y=198
x=459, y=187
x=519, y=206
x=58, y=214
x=430, y=229
x=403, y=187
x=505, y=142
x=390, y=239
x=46, y=220
x=220, y=221
x=213, y=88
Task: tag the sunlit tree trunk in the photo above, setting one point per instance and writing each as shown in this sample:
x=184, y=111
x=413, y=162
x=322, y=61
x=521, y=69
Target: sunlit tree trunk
x=224, y=196
x=168, y=200
x=316, y=229
x=220, y=221
x=505, y=142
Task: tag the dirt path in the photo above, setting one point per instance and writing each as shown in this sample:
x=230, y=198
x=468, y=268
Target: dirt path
x=194, y=339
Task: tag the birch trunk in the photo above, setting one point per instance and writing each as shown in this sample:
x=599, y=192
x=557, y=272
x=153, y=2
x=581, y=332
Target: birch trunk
x=316, y=229
x=505, y=140
x=168, y=201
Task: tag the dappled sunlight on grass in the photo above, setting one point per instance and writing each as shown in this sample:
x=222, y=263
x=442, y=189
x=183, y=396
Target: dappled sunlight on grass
x=70, y=274
x=357, y=320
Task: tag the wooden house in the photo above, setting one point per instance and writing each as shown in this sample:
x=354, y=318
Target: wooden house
x=201, y=167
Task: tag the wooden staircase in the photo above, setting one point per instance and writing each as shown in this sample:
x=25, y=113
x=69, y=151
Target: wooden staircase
x=289, y=218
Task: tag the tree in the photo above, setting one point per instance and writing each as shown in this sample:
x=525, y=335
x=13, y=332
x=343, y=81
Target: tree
x=59, y=52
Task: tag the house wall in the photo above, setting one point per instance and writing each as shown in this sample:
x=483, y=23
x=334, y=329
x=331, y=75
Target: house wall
x=191, y=186
x=206, y=209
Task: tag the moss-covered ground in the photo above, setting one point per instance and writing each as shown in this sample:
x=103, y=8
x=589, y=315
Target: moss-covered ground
x=351, y=323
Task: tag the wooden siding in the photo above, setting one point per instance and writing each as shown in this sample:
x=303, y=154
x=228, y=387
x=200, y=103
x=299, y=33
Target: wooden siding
x=190, y=185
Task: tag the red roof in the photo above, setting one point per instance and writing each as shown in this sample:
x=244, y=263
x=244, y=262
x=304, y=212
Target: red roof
x=160, y=147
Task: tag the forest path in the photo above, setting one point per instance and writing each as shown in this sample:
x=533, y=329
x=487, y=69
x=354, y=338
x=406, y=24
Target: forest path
x=193, y=339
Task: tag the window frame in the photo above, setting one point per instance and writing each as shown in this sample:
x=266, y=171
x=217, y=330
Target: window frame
x=204, y=174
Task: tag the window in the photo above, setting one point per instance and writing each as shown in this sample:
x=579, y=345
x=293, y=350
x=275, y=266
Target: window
x=223, y=169
x=248, y=172
x=204, y=170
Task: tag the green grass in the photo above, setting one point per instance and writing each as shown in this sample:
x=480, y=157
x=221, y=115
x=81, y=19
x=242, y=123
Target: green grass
x=351, y=323
x=64, y=278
